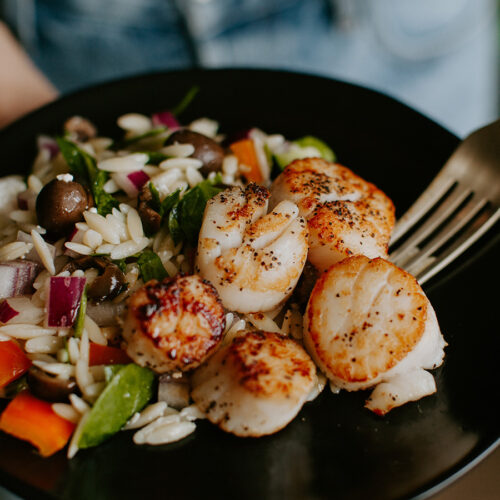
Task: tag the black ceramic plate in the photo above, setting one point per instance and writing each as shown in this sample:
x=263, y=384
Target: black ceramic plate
x=335, y=448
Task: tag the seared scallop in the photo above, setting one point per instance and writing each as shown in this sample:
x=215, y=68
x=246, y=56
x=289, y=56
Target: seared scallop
x=173, y=325
x=256, y=385
x=367, y=323
x=253, y=258
x=346, y=215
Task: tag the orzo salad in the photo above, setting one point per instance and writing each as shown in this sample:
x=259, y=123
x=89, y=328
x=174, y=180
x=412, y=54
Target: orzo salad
x=179, y=273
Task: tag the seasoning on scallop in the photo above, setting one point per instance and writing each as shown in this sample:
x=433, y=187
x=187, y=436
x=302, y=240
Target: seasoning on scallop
x=256, y=385
x=346, y=215
x=173, y=325
x=252, y=257
x=368, y=323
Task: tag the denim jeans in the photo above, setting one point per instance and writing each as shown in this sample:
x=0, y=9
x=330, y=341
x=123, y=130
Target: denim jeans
x=437, y=55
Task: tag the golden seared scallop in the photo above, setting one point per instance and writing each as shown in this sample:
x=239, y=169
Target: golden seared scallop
x=255, y=385
x=253, y=258
x=367, y=323
x=173, y=325
x=346, y=215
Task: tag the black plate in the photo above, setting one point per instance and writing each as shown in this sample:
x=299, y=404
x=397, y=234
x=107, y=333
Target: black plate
x=335, y=448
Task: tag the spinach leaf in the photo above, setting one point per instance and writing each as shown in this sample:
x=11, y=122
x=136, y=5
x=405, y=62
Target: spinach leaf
x=185, y=101
x=169, y=202
x=146, y=135
x=150, y=266
x=84, y=168
x=184, y=216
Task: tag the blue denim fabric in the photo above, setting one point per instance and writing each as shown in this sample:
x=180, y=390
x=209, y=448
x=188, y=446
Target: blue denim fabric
x=438, y=55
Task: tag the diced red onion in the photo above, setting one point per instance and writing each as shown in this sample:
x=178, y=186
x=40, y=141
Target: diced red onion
x=130, y=182
x=138, y=178
x=7, y=312
x=16, y=277
x=65, y=294
x=166, y=118
x=47, y=143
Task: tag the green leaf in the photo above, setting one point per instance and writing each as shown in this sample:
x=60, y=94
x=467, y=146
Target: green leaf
x=184, y=216
x=155, y=203
x=146, y=135
x=104, y=202
x=173, y=225
x=84, y=169
x=185, y=101
x=128, y=391
x=155, y=157
x=80, y=163
x=80, y=315
x=169, y=202
x=150, y=266
x=323, y=148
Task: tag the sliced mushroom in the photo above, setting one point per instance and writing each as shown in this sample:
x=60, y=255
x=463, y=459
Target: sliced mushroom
x=48, y=387
x=81, y=128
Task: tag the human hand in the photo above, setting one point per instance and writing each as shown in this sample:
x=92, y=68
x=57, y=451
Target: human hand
x=23, y=87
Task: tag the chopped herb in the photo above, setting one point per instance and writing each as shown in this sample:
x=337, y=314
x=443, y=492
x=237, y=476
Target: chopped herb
x=150, y=266
x=155, y=157
x=146, y=135
x=184, y=216
x=185, y=101
x=80, y=315
x=84, y=169
x=155, y=202
x=169, y=202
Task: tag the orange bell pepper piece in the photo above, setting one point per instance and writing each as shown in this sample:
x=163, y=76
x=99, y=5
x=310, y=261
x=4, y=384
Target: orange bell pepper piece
x=244, y=150
x=106, y=355
x=33, y=420
x=13, y=362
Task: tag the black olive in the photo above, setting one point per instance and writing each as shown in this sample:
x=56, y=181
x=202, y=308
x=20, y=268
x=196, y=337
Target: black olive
x=110, y=282
x=150, y=218
x=205, y=149
x=48, y=387
x=108, y=285
x=60, y=204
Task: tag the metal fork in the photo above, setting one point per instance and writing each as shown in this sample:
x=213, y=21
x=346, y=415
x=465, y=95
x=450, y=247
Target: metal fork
x=458, y=207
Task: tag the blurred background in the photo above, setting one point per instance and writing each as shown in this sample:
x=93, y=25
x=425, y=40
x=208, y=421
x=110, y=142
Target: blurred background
x=439, y=56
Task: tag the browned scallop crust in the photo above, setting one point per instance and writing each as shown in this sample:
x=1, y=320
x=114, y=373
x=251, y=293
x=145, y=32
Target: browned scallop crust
x=364, y=316
x=256, y=385
x=353, y=227
x=178, y=322
x=267, y=364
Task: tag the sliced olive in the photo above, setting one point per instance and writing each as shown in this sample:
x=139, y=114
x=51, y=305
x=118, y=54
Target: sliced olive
x=205, y=149
x=48, y=387
x=60, y=204
x=151, y=219
x=110, y=282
